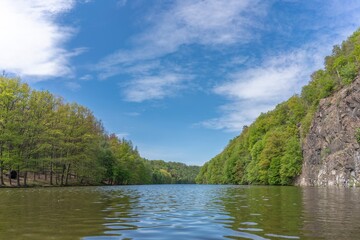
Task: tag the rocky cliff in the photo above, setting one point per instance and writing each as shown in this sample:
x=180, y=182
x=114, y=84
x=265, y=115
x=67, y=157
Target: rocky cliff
x=330, y=150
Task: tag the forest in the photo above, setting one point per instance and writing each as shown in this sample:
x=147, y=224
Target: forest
x=46, y=141
x=269, y=150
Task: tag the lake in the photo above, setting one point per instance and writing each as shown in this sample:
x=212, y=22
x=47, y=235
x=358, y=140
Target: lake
x=180, y=212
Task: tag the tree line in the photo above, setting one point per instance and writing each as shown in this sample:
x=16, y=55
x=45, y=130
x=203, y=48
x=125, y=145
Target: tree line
x=269, y=150
x=48, y=141
x=173, y=172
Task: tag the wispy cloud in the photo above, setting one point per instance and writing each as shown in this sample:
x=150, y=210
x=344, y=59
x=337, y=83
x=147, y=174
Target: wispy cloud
x=122, y=135
x=86, y=77
x=154, y=87
x=270, y=80
x=235, y=115
x=258, y=89
x=31, y=39
x=121, y=3
x=139, y=68
x=207, y=22
x=73, y=86
x=132, y=114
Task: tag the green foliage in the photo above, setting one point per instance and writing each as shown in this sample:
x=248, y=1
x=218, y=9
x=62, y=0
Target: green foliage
x=291, y=160
x=348, y=72
x=357, y=135
x=269, y=150
x=172, y=172
x=306, y=121
x=41, y=133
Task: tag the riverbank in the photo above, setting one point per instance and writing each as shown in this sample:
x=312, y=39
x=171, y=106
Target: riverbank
x=35, y=180
x=42, y=180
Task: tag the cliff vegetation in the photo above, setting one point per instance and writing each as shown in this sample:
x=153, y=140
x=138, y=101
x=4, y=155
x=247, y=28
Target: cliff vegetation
x=269, y=151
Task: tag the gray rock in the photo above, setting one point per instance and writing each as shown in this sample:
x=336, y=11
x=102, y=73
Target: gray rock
x=330, y=150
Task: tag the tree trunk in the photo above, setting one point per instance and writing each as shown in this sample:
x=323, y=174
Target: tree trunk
x=62, y=175
x=25, y=179
x=1, y=174
x=18, y=176
x=67, y=174
x=34, y=176
x=10, y=177
x=51, y=173
x=1, y=169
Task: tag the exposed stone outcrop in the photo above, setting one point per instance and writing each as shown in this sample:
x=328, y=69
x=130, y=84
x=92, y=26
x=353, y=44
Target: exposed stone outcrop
x=331, y=151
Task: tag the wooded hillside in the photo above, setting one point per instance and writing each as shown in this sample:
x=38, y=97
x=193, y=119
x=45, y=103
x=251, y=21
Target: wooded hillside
x=269, y=150
x=46, y=141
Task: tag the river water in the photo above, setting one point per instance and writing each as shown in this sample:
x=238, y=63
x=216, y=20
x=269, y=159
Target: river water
x=180, y=212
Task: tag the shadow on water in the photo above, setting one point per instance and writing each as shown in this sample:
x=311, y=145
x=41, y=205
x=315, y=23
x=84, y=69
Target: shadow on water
x=180, y=212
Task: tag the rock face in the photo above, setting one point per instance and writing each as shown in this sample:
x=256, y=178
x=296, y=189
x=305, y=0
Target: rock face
x=331, y=151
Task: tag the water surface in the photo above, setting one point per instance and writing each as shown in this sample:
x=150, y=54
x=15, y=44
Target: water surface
x=180, y=212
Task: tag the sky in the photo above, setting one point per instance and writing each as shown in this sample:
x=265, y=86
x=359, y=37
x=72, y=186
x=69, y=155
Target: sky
x=177, y=78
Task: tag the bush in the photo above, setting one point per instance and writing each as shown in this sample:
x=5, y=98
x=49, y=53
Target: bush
x=357, y=135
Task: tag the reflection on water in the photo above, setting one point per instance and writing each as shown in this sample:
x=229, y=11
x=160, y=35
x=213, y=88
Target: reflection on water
x=50, y=213
x=166, y=212
x=265, y=211
x=332, y=213
x=180, y=212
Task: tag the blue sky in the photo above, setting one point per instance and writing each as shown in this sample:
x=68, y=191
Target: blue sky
x=178, y=78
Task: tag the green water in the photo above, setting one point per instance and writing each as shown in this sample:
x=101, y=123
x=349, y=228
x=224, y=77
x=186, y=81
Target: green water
x=180, y=212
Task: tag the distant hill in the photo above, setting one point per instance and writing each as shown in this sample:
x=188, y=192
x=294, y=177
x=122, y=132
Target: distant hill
x=172, y=172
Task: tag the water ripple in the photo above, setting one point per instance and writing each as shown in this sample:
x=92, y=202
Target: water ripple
x=179, y=212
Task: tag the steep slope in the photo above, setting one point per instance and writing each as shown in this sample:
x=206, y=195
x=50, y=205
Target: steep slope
x=270, y=150
x=331, y=150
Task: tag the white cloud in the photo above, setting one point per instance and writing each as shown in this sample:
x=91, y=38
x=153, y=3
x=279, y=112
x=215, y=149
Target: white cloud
x=236, y=114
x=122, y=135
x=86, y=77
x=235, y=62
x=73, y=86
x=337, y=9
x=121, y=3
x=258, y=89
x=276, y=76
x=140, y=68
x=154, y=87
x=31, y=41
